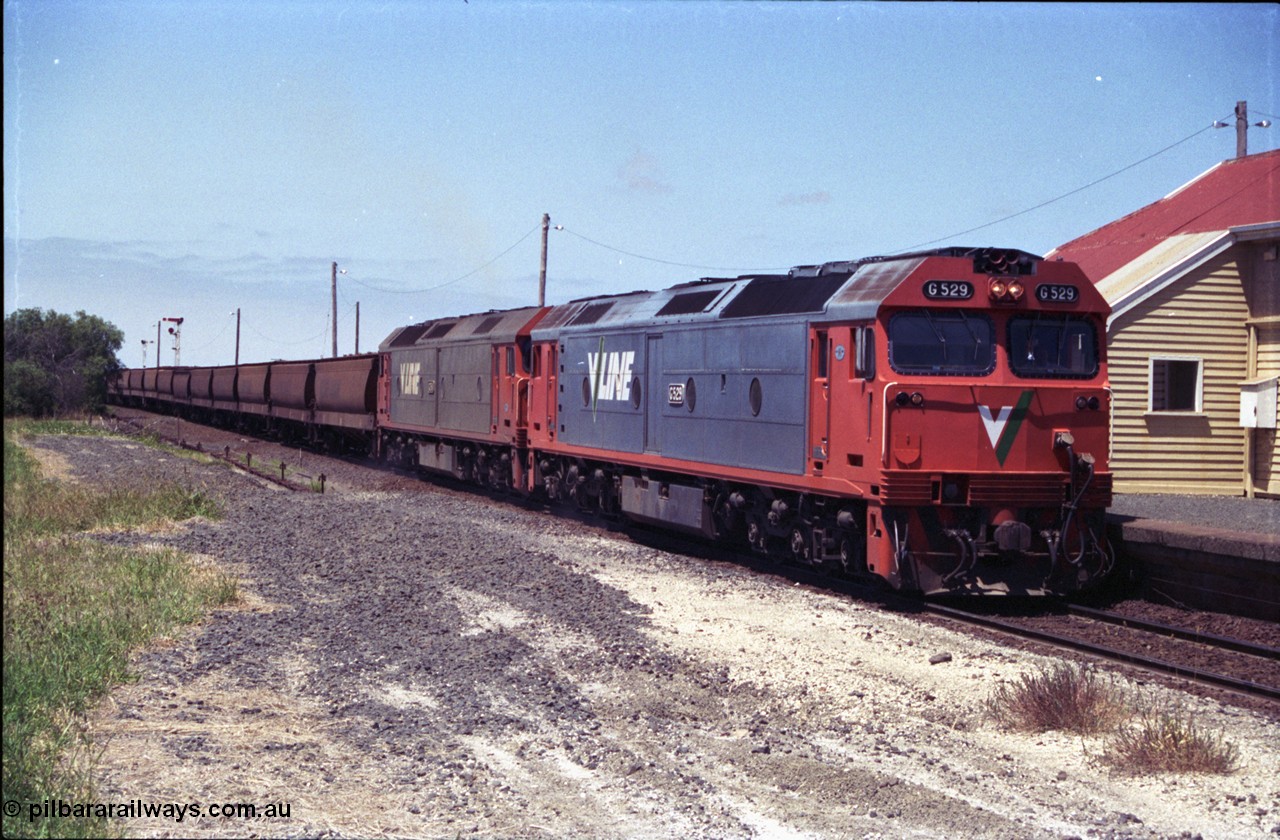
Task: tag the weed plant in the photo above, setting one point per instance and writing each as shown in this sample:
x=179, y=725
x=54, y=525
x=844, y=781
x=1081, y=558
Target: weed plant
x=1169, y=740
x=1143, y=737
x=74, y=609
x=1063, y=697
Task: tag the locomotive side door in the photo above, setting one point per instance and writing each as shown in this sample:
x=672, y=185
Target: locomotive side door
x=819, y=399
x=655, y=394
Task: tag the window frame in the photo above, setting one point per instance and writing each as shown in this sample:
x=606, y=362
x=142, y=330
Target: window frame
x=1064, y=320
x=1152, y=362
x=963, y=315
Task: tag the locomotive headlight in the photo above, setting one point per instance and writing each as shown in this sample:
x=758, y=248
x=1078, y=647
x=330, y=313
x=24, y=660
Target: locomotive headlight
x=1015, y=290
x=998, y=289
x=904, y=399
x=1091, y=403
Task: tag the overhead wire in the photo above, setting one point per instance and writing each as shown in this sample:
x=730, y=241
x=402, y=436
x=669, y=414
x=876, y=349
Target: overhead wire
x=667, y=262
x=320, y=334
x=459, y=279
x=1093, y=183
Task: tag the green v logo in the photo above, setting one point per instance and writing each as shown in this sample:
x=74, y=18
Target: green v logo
x=1002, y=429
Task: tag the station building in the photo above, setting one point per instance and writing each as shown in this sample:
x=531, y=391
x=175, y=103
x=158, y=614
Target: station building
x=1194, y=337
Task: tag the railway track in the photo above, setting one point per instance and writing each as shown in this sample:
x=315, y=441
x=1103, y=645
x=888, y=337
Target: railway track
x=230, y=457
x=1245, y=656
x=1185, y=650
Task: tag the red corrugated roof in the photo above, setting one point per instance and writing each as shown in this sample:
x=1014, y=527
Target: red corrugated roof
x=1235, y=193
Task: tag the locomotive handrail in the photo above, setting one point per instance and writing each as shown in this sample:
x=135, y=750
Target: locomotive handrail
x=884, y=423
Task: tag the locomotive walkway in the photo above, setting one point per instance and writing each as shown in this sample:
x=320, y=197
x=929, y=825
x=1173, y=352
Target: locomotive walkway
x=1205, y=552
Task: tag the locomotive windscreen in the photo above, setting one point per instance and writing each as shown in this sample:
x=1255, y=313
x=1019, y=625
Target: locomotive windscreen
x=1053, y=346
x=941, y=342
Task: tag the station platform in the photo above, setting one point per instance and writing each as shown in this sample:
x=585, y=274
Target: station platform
x=1214, y=553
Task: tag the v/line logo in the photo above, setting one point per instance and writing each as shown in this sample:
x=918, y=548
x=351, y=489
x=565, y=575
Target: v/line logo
x=610, y=374
x=410, y=377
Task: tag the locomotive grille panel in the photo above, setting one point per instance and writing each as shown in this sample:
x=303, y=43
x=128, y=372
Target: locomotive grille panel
x=409, y=336
x=688, y=303
x=906, y=488
x=487, y=325
x=1026, y=490
x=440, y=330
x=783, y=296
x=591, y=314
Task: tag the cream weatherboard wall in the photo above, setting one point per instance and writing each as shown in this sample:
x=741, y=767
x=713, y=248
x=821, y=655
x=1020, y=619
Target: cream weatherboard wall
x=1200, y=449
x=1265, y=454
x=1262, y=292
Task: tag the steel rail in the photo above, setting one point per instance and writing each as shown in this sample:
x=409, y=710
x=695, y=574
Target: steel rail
x=1223, y=642
x=1157, y=665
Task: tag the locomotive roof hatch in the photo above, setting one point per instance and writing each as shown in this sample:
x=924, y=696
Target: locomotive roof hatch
x=493, y=326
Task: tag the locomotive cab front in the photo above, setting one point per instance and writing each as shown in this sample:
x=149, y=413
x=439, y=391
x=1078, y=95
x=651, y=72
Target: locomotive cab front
x=994, y=431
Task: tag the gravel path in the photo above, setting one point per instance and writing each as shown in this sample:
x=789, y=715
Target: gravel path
x=412, y=661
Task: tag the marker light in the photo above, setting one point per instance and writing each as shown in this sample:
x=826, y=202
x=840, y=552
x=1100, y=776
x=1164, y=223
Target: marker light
x=1006, y=291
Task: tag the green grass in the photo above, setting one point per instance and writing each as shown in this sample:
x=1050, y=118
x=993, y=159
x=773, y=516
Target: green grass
x=74, y=610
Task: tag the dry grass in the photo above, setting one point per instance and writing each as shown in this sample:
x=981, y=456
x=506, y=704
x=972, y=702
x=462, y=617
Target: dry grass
x=1144, y=736
x=1064, y=697
x=1169, y=741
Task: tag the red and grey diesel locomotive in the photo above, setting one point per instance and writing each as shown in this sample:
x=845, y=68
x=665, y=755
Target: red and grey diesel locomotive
x=938, y=420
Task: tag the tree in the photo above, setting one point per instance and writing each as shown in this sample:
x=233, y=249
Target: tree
x=55, y=364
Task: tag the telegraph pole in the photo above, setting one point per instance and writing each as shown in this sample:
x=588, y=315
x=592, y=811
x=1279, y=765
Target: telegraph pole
x=357, y=327
x=333, y=289
x=1242, y=127
x=237, y=336
x=542, y=272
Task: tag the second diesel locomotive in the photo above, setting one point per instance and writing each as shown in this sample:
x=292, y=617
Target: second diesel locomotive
x=938, y=420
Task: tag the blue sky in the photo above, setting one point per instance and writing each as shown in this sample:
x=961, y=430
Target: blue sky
x=167, y=159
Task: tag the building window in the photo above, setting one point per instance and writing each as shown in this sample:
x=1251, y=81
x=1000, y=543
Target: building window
x=1176, y=384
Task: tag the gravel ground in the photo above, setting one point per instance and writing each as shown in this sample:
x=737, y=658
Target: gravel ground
x=413, y=661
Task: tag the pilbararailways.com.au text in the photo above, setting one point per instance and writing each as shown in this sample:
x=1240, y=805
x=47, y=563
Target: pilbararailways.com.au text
x=138, y=808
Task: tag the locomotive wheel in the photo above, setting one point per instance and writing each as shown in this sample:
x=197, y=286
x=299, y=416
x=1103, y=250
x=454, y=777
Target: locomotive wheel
x=846, y=554
x=756, y=535
x=801, y=546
